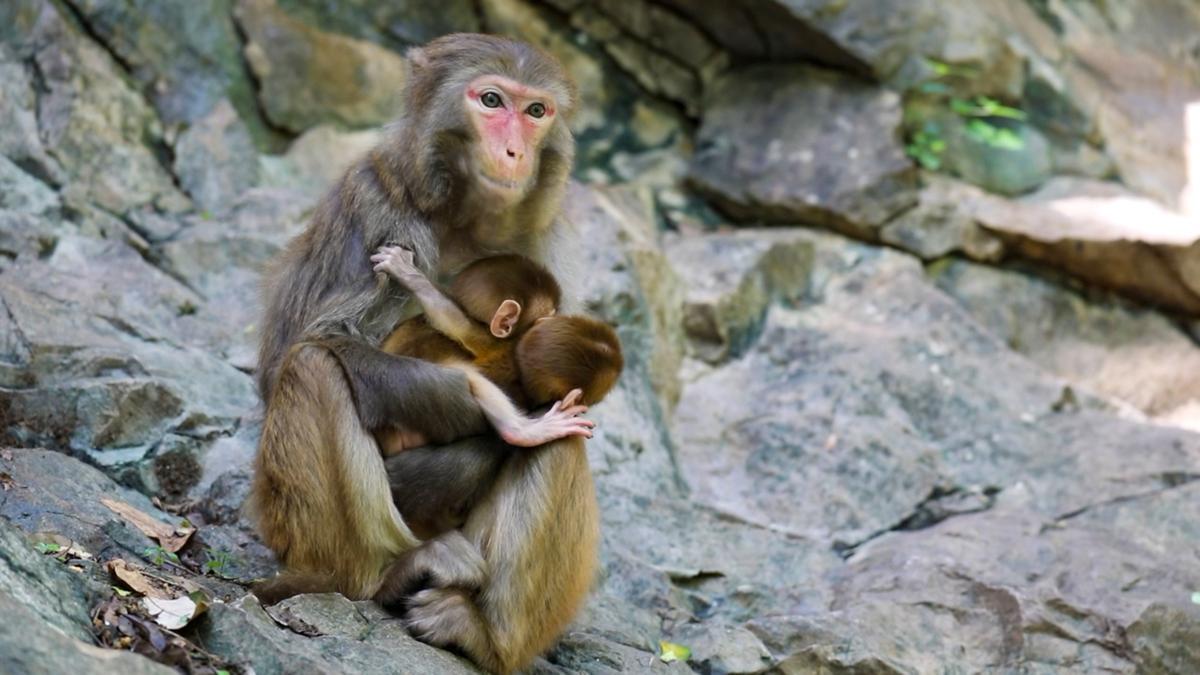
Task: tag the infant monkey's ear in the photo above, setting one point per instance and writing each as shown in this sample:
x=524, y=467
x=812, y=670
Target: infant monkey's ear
x=562, y=353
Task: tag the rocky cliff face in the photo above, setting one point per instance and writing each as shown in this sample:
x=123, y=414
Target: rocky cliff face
x=908, y=291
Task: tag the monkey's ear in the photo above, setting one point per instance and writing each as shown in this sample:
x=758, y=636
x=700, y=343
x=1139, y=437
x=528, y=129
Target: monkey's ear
x=505, y=318
x=417, y=58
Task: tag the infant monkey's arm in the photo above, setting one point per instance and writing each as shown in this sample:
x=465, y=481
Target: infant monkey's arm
x=514, y=427
x=442, y=312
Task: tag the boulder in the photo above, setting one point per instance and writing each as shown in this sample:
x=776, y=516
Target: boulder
x=308, y=77
x=95, y=362
x=215, y=159
x=319, y=633
x=799, y=144
x=185, y=56
x=316, y=160
x=731, y=281
x=394, y=25
x=95, y=125
x=942, y=222
x=1131, y=354
x=1104, y=234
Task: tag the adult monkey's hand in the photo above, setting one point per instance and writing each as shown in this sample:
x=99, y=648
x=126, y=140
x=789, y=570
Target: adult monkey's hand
x=476, y=165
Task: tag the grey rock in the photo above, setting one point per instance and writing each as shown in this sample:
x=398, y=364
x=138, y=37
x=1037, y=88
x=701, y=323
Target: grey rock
x=1004, y=170
x=245, y=633
x=939, y=224
x=1165, y=638
x=185, y=56
x=320, y=614
x=42, y=588
x=308, y=77
x=28, y=645
x=23, y=193
x=725, y=567
x=721, y=648
x=394, y=24
x=223, y=257
x=799, y=144
x=732, y=279
x=316, y=160
x=57, y=494
x=95, y=125
x=1102, y=233
x=584, y=653
x=1135, y=355
x=19, y=138
x=215, y=159
x=96, y=361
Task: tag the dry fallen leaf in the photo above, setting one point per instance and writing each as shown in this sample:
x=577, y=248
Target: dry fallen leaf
x=134, y=579
x=168, y=536
x=171, y=614
x=60, y=546
x=669, y=652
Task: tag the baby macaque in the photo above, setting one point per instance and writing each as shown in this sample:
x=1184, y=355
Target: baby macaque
x=499, y=325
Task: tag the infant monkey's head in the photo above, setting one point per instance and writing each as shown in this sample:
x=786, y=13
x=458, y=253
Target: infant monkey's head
x=561, y=353
x=518, y=298
x=506, y=292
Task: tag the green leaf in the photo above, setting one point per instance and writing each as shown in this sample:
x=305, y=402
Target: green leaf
x=933, y=88
x=672, y=652
x=993, y=108
x=963, y=107
x=939, y=68
x=47, y=547
x=121, y=592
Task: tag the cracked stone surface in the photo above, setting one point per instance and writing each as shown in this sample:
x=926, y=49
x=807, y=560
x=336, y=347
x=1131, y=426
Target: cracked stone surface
x=957, y=436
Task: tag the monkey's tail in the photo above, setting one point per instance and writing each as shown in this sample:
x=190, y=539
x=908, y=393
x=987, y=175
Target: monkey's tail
x=286, y=584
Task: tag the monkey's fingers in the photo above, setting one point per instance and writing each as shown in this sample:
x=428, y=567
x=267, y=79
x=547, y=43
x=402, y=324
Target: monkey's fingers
x=574, y=411
x=401, y=253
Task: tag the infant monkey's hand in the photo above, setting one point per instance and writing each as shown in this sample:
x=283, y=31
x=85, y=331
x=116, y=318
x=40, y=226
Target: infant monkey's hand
x=397, y=261
x=562, y=420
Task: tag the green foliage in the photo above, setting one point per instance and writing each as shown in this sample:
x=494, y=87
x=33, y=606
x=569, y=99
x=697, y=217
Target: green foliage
x=981, y=113
x=997, y=137
x=982, y=106
x=927, y=146
x=47, y=547
x=944, y=70
x=218, y=561
x=158, y=555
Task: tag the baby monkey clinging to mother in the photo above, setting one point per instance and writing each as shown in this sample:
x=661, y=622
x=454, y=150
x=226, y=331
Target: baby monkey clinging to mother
x=499, y=325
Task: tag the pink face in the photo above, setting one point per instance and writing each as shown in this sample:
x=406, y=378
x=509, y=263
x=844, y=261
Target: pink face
x=511, y=120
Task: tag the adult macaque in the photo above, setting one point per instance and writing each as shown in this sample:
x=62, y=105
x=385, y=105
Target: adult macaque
x=476, y=165
x=501, y=328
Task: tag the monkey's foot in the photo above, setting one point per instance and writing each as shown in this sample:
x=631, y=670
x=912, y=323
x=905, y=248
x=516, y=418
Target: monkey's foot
x=446, y=618
x=448, y=560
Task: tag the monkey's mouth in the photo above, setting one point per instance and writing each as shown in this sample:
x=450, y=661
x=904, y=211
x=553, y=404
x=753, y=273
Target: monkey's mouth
x=505, y=185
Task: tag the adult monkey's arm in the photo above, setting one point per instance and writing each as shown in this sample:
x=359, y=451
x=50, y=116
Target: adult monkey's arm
x=324, y=292
x=403, y=392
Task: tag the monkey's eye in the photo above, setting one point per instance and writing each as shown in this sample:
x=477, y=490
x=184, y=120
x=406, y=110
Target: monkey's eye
x=535, y=110
x=490, y=99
